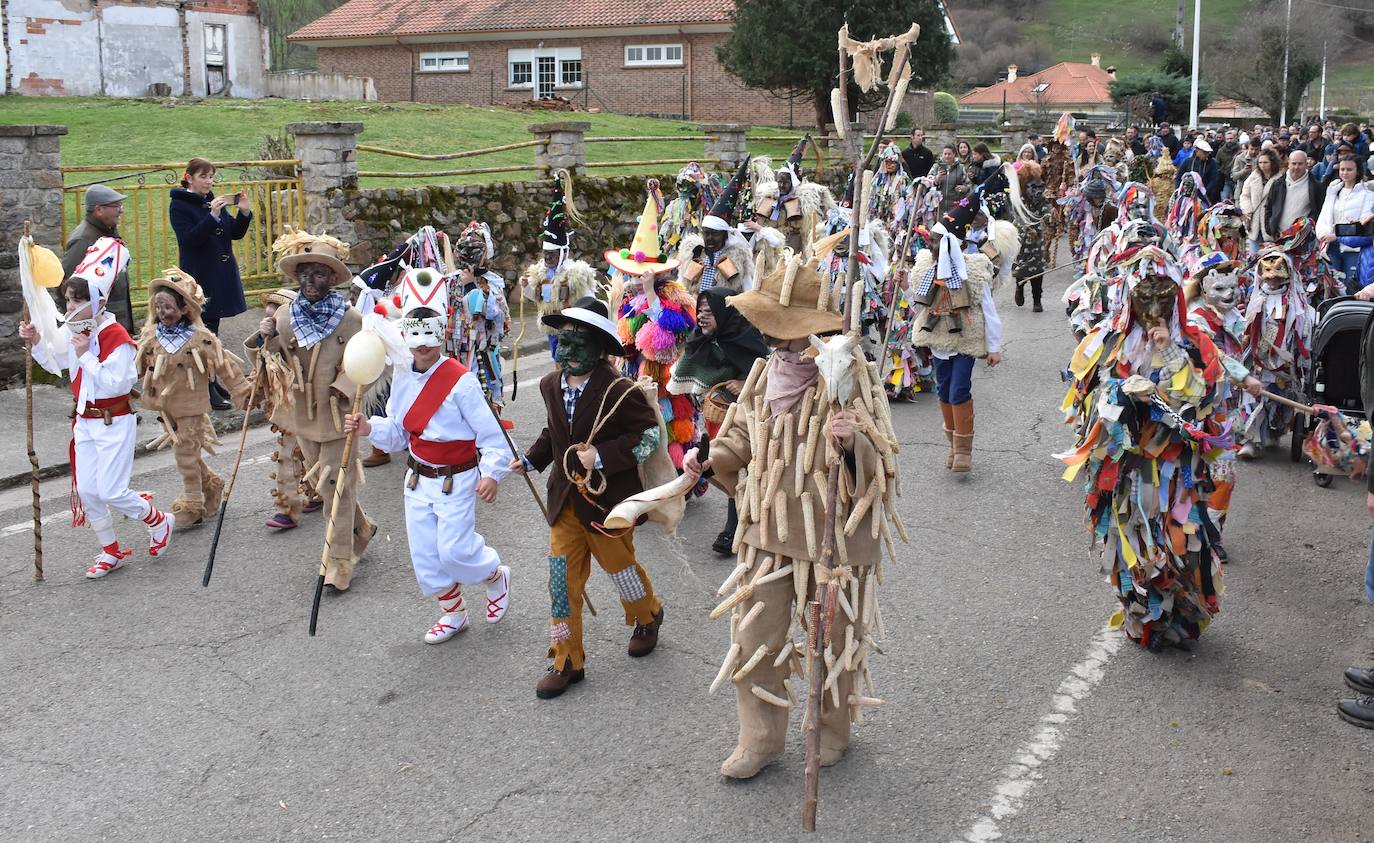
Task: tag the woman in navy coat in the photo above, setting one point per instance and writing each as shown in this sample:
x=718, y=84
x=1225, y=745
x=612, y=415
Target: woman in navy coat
x=205, y=233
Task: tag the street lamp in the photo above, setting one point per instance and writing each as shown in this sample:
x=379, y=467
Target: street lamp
x=1283, y=93
x=1197, y=30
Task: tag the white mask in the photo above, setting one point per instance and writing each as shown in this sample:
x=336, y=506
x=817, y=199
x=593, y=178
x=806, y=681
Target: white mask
x=424, y=332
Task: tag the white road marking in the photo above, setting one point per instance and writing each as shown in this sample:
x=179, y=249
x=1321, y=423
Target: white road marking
x=1022, y=774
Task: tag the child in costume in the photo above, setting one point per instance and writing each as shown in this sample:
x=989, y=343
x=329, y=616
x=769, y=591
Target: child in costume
x=1278, y=349
x=556, y=281
x=292, y=494
x=101, y=361
x=600, y=428
x=796, y=415
x=177, y=357
x=481, y=315
x=458, y=454
x=718, y=256
x=1145, y=400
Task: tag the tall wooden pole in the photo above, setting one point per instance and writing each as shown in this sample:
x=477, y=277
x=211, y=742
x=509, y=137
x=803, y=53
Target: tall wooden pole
x=334, y=510
x=33, y=455
x=258, y=375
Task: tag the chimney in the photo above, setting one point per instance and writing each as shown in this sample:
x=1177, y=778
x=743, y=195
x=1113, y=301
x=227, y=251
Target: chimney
x=1011, y=73
x=1111, y=71
x=1097, y=59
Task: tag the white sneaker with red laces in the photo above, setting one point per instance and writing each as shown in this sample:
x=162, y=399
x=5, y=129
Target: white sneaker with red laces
x=448, y=625
x=107, y=562
x=498, y=594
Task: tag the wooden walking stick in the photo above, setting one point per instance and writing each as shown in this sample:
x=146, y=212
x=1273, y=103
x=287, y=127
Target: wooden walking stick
x=33, y=455
x=258, y=375
x=364, y=361
x=39, y=271
x=821, y=611
x=515, y=452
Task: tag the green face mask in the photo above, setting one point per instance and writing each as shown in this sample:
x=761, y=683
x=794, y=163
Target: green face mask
x=577, y=352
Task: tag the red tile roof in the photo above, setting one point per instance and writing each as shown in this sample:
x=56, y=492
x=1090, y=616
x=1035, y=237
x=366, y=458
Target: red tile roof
x=373, y=18
x=1070, y=83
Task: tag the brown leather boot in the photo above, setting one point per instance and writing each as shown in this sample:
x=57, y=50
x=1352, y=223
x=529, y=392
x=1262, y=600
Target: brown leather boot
x=645, y=637
x=554, y=682
x=376, y=458
x=947, y=410
x=963, y=438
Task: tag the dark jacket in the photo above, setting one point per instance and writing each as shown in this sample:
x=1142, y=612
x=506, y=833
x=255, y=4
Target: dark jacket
x=615, y=442
x=206, y=250
x=1278, y=193
x=949, y=181
x=1367, y=373
x=918, y=160
x=1226, y=156
x=1171, y=142
x=82, y=239
x=1208, y=170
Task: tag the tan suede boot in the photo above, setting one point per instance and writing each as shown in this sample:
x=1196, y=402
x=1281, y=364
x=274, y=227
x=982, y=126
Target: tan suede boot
x=963, y=438
x=947, y=410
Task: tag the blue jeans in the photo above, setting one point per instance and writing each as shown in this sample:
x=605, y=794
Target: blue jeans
x=1347, y=263
x=954, y=379
x=1369, y=573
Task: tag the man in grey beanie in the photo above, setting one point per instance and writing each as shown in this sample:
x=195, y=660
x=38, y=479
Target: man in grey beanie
x=104, y=206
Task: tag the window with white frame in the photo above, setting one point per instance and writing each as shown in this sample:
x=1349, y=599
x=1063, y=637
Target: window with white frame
x=520, y=66
x=451, y=62
x=653, y=55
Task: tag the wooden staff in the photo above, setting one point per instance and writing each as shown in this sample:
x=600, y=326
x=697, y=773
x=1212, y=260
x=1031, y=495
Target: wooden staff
x=33, y=455
x=334, y=510
x=821, y=611
x=510, y=443
x=258, y=374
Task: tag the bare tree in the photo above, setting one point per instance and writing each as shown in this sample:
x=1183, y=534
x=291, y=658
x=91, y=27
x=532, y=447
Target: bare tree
x=1248, y=66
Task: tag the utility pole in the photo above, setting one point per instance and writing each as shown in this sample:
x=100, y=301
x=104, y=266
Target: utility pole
x=1178, y=25
x=1321, y=106
x=1283, y=94
x=1197, y=41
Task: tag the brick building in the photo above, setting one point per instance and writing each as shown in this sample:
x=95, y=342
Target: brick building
x=133, y=48
x=617, y=55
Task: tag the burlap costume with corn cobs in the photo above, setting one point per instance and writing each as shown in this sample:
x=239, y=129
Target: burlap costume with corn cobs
x=290, y=490
x=775, y=465
x=176, y=387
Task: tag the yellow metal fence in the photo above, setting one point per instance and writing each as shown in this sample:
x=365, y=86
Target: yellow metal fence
x=274, y=193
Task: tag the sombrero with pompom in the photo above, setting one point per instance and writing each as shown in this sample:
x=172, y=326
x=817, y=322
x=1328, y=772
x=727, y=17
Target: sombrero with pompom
x=643, y=255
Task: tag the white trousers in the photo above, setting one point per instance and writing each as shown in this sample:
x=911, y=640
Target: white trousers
x=104, y=461
x=445, y=547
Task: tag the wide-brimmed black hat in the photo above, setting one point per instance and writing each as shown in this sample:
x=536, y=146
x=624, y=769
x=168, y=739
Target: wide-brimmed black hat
x=591, y=312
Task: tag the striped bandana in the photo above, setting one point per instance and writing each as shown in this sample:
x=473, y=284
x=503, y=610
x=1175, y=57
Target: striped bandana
x=313, y=322
x=173, y=338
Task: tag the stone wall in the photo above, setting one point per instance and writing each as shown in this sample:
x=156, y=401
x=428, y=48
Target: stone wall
x=515, y=210
x=31, y=184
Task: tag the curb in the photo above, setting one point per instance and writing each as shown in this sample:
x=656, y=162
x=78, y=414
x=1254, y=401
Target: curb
x=225, y=422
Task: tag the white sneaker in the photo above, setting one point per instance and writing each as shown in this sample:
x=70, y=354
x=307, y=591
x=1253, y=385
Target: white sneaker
x=1248, y=451
x=105, y=563
x=159, y=527
x=498, y=594
x=448, y=625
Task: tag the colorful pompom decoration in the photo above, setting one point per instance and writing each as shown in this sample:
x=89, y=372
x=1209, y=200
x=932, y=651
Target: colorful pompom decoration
x=640, y=257
x=379, y=310
x=625, y=253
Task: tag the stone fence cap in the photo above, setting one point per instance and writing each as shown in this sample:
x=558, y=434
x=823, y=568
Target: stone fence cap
x=317, y=127
x=724, y=127
x=31, y=131
x=568, y=126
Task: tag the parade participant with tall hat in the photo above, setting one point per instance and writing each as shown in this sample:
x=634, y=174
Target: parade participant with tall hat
x=457, y=456
x=696, y=193
x=719, y=256
x=1145, y=401
x=800, y=411
x=654, y=322
x=958, y=322
x=304, y=344
x=177, y=354
x=600, y=427
x=101, y=361
x=557, y=280
x=777, y=204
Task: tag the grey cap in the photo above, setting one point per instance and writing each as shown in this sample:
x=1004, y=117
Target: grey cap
x=99, y=194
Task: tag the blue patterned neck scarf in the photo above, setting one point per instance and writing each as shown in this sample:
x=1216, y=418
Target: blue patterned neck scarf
x=313, y=322
x=173, y=338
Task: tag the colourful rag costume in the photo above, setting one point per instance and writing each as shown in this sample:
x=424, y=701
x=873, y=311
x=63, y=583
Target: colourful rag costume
x=1278, y=337
x=654, y=332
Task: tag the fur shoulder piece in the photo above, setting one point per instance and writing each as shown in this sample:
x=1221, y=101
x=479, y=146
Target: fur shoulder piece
x=816, y=199
x=1007, y=240
x=580, y=278
x=688, y=246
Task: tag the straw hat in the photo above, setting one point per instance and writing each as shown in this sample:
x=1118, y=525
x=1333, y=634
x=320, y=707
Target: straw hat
x=185, y=288
x=784, y=307
x=643, y=255
x=298, y=247
x=281, y=298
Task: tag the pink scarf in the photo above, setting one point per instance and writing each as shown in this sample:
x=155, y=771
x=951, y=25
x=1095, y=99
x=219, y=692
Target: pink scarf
x=789, y=375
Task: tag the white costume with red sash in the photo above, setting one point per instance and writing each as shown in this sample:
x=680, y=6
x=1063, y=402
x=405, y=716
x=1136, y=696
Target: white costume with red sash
x=442, y=417
x=103, y=432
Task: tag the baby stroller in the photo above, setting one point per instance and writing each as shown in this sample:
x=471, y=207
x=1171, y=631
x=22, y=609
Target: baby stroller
x=1334, y=379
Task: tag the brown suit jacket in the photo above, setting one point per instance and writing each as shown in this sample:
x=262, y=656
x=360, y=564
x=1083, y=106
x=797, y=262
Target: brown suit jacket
x=615, y=442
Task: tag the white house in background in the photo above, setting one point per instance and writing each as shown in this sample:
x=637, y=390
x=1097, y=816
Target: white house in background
x=134, y=48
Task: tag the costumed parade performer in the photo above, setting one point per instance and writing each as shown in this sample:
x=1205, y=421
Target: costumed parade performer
x=654, y=322
x=682, y=215
x=1030, y=259
x=101, y=359
x=808, y=406
x=958, y=322
x=719, y=256
x=1278, y=349
x=457, y=456
x=557, y=280
x=177, y=358
x=600, y=431
x=292, y=495
x=712, y=369
x=481, y=316
x=1060, y=178
x=890, y=185
x=304, y=345
x=1213, y=293
x=1145, y=401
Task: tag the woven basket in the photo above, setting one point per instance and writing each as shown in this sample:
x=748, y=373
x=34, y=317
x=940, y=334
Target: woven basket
x=717, y=401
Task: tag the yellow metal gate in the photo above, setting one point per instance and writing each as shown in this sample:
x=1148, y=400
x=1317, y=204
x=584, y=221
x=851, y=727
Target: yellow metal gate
x=273, y=188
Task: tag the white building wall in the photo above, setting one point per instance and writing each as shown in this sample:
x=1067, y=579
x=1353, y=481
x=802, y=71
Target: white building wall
x=246, y=57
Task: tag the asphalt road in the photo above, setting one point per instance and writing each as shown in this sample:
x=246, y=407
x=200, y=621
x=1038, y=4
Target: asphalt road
x=144, y=707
